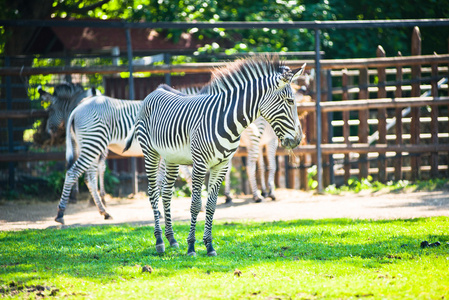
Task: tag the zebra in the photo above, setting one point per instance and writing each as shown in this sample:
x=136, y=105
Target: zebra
x=204, y=130
x=99, y=113
x=66, y=97
x=97, y=124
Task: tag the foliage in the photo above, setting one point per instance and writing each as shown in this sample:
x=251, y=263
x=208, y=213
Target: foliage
x=303, y=259
x=311, y=177
x=367, y=184
x=51, y=183
x=337, y=43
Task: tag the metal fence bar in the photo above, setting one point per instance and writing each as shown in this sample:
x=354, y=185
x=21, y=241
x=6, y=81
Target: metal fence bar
x=133, y=160
x=315, y=25
x=11, y=169
x=318, y=111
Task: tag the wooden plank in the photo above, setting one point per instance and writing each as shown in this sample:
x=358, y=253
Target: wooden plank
x=326, y=64
x=363, y=130
x=23, y=114
x=382, y=117
x=305, y=149
x=310, y=107
x=415, y=160
x=398, y=126
x=363, y=104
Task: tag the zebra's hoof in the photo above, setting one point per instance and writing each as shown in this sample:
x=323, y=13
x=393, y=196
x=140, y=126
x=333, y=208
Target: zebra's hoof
x=160, y=248
x=210, y=249
x=264, y=194
x=174, y=244
x=228, y=199
x=60, y=220
x=272, y=196
x=193, y=254
x=107, y=216
x=257, y=199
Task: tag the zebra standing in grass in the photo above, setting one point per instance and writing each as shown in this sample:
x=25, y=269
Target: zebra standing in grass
x=204, y=130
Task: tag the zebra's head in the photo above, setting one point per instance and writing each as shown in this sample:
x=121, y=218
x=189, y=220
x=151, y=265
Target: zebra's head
x=278, y=107
x=65, y=98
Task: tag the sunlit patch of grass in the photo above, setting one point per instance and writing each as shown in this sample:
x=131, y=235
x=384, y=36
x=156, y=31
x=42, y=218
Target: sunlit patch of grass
x=302, y=259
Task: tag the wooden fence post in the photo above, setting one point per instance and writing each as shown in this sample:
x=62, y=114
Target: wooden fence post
x=325, y=131
x=346, y=131
x=415, y=113
x=398, y=127
x=363, y=125
x=382, y=118
x=303, y=180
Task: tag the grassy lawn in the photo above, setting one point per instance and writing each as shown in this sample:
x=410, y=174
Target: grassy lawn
x=304, y=259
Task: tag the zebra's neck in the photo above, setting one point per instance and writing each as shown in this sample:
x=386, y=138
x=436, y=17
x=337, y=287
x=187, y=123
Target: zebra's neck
x=244, y=105
x=71, y=105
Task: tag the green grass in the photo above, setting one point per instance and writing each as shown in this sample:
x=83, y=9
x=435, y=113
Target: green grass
x=304, y=259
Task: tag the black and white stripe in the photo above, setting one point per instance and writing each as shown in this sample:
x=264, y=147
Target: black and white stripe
x=204, y=130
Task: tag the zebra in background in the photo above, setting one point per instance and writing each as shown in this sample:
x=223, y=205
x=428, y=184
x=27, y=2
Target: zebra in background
x=97, y=124
x=204, y=130
x=99, y=129
x=66, y=97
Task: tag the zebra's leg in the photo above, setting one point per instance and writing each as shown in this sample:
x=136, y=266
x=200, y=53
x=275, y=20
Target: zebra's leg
x=74, y=193
x=198, y=174
x=171, y=173
x=101, y=171
x=71, y=177
x=253, y=153
x=216, y=177
x=271, y=156
x=92, y=185
x=159, y=180
x=261, y=165
x=227, y=190
x=151, y=168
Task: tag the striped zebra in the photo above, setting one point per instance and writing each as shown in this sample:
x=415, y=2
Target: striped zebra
x=204, y=130
x=66, y=97
x=95, y=125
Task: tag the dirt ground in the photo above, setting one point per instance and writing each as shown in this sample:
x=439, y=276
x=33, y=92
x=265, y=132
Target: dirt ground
x=290, y=204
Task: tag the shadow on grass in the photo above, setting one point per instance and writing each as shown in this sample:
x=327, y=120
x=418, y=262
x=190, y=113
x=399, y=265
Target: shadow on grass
x=106, y=252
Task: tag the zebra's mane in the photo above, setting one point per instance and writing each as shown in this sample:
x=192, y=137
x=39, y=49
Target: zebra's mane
x=244, y=70
x=68, y=91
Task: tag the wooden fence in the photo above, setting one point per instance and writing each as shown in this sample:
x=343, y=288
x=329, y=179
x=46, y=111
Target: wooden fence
x=387, y=117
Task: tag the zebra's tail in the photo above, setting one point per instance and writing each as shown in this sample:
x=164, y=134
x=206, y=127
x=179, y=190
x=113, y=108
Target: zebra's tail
x=130, y=137
x=70, y=142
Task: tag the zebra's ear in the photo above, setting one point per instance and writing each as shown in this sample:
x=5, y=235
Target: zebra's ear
x=297, y=72
x=44, y=95
x=289, y=76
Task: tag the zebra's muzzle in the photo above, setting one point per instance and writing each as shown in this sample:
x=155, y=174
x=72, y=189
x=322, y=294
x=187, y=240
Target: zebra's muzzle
x=290, y=143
